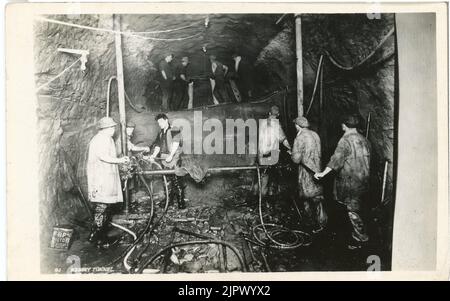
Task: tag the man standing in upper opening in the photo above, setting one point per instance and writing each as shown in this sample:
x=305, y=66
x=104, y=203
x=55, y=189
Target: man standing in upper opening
x=271, y=135
x=241, y=74
x=185, y=86
x=218, y=87
x=102, y=170
x=168, y=146
x=351, y=161
x=306, y=153
x=167, y=78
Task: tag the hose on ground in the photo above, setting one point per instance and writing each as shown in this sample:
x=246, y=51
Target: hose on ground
x=125, y=259
x=277, y=230
x=156, y=223
x=130, y=249
x=195, y=242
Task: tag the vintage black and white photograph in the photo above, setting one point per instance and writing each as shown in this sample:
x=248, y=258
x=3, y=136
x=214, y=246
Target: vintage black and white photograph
x=213, y=143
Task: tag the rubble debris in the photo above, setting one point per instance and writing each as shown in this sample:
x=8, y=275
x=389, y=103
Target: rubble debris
x=222, y=221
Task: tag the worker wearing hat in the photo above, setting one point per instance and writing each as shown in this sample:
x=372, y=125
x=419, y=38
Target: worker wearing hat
x=132, y=183
x=167, y=78
x=306, y=152
x=132, y=147
x=351, y=163
x=104, y=188
x=271, y=135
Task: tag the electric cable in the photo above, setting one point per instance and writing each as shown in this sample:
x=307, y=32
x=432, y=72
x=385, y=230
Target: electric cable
x=57, y=76
x=372, y=53
x=169, y=30
x=125, y=33
x=318, y=73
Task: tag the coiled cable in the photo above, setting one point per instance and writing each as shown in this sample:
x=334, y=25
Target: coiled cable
x=300, y=238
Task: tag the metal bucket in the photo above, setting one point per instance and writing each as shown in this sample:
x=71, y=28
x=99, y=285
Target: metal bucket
x=61, y=238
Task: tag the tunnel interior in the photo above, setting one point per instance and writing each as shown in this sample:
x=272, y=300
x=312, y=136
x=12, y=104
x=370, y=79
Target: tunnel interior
x=357, y=55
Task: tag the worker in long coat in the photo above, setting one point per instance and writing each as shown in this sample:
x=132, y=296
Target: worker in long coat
x=306, y=153
x=351, y=162
x=104, y=187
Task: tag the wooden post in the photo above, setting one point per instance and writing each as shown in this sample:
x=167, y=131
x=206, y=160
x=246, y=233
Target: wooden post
x=322, y=118
x=299, y=53
x=383, y=188
x=121, y=93
x=368, y=126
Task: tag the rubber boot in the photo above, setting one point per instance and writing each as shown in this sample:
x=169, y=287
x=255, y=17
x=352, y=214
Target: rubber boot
x=179, y=193
x=105, y=241
x=94, y=235
x=180, y=200
x=172, y=192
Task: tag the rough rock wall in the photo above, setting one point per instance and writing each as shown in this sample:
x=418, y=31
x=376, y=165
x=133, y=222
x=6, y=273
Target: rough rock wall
x=349, y=39
x=277, y=63
x=68, y=109
x=138, y=69
x=364, y=90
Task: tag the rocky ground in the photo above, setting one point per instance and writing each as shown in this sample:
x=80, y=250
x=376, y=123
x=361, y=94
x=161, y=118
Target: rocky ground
x=222, y=208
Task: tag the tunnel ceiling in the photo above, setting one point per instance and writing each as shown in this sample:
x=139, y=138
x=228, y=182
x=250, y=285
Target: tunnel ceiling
x=225, y=34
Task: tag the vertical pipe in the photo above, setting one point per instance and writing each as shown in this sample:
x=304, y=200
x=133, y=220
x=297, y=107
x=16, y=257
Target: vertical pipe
x=299, y=53
x=286, y=116
x=108, y=94
x=320, y=93
x=322, y=123
x=121, y=90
